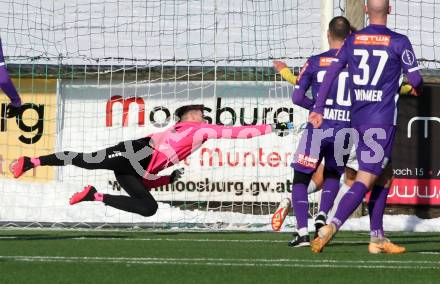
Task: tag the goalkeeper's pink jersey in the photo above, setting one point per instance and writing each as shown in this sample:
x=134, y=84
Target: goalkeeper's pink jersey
x=179, y=141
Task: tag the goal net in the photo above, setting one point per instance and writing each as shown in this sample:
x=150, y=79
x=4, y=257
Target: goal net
x=94, y=73
x=419, y=20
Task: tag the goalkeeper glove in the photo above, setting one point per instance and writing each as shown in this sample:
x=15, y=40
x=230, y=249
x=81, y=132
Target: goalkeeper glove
x=405, y=89
x=176, y=175
x=282, y=126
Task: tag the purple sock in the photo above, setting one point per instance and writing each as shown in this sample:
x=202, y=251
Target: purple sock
x=328, y=195
x=349, y=203
x=376, y=209
x=300, y=204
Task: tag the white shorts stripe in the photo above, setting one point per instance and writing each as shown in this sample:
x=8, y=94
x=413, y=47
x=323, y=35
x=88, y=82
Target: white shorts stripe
x=414, y=69
x=396, y=99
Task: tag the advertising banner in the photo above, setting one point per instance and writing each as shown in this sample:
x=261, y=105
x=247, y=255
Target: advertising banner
x=252, y=170
x=416, y=163
x=32, y=132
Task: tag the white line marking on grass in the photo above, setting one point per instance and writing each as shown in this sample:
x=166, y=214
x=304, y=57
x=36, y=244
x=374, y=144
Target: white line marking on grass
x=231, y=262
x=429, y=252
x=176, y=240
x=180, y=240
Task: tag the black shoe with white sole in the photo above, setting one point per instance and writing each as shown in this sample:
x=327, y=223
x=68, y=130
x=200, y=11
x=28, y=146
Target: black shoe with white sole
x=300, y=241
x=319, y=223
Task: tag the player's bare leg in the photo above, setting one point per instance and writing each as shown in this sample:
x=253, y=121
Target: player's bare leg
x=317, y=180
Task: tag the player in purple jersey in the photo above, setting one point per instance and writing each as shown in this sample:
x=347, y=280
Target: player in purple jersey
x=318, y=144
x=375, y=57
x=8, y=88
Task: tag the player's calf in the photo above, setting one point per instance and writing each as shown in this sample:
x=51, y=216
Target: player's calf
x=300, y=200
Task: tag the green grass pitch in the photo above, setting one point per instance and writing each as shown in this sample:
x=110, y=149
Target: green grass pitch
x=142, y=256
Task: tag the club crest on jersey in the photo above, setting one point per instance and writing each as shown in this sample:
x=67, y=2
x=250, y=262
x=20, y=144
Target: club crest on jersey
x=364, y=39
x=408, y=57
x=325, y=61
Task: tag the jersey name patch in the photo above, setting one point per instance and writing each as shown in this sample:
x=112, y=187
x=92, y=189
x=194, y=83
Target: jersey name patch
x=337, y=114
x=364, y=39
x=368, y=95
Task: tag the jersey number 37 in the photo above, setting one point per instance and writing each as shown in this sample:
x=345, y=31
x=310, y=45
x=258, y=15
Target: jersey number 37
x=364, y=78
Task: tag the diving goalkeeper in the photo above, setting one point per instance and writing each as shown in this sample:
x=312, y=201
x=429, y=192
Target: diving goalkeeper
x=136, y=163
